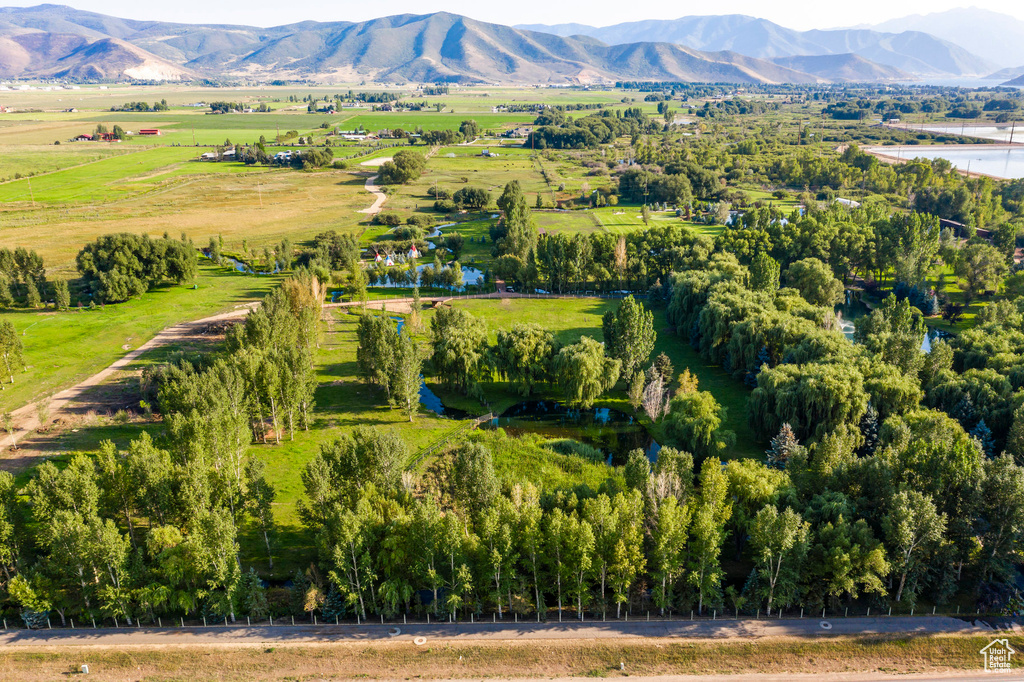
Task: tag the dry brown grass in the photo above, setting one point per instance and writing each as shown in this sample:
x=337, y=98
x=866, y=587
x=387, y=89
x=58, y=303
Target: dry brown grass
x=294, y=204
x=551, y=658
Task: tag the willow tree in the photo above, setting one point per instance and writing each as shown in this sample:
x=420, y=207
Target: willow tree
x=585, y=372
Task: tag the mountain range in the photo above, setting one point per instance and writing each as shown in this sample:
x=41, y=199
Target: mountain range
x=998, y=38
x=909, y=51
x=60, y=41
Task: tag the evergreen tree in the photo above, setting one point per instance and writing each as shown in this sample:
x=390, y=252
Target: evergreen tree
x=783, y=445
x=964, y=412
x=869, y=430
x=983, y=434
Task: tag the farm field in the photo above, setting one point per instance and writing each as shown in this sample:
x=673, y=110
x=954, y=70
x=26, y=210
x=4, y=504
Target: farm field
x=165, y=191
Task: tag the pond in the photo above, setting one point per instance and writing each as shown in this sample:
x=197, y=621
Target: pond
x=853, y=309
x=469, y=276
x=1001, y=132
x=1000, y=161
x=613, y=432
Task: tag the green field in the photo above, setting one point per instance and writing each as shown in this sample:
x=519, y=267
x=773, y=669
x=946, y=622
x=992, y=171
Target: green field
x=62, y=348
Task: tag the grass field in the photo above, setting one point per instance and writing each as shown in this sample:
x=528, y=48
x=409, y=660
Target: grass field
x=544, y=659
x=62, y=348
x=199, y=200
x=25, y=159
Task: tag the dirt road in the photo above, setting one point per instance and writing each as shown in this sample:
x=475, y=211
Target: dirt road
x=703, y=629
x=26, y=419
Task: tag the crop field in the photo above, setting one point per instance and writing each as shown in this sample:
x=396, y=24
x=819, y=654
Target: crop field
x=25, y=159
x=431, y=120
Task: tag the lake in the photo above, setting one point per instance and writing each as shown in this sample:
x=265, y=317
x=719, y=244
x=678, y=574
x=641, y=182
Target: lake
x=1001, y=161
x=1000, y=132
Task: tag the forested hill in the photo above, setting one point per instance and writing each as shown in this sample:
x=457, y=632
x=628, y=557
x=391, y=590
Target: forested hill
x=48, y=40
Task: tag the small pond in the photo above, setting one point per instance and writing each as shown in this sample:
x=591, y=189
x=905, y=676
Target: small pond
x=853, y=309
x=469, y=276
x=613, y=432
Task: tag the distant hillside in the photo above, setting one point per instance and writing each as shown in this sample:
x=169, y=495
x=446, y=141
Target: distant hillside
x=1018, y=81
x=65, y=55
x=998, y=38
x=843, y=67
x=1006, y=74
x=909, y=50
x=58, y=40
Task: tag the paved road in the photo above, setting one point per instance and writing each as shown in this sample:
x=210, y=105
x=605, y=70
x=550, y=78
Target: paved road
x=718, y=629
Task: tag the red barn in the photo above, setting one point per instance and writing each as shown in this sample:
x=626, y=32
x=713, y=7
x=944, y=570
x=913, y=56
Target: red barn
x=149, y=131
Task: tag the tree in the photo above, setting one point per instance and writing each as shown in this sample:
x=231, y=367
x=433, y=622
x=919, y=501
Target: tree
x=117, y=267
x=517, y=235
x=629, y=335
x=404, y=166
x=980, y=267
x=779, y=540
x=636, y=390
x=470, y=129
x=815, y=282
x=1002, y=513
x=584, y=372
x=375, y=355
x=61, y=295
x=459, y=343
x=668, y=540
x=472, y=197
x=764, y=273
x=893, y=333
x=11, y=359
x=405, y=377
x=473, y=480
x=707, y=532
x=663, y=366
x=694, y=423
x=783, y=445
x=524, y=355
x=912, y=527
x=259, y=502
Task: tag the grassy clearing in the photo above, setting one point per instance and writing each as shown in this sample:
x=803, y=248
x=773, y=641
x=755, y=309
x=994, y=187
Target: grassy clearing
x=62, y=348
x=569, y=319
x=501, y=659
x=98, y=182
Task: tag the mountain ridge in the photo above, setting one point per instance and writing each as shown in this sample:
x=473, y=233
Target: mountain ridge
x=911, y=51
x=406, y=47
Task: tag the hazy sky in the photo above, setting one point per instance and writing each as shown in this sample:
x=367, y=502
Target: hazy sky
x=799, y=14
